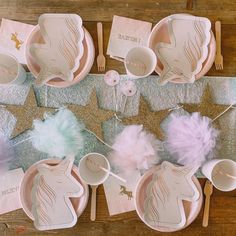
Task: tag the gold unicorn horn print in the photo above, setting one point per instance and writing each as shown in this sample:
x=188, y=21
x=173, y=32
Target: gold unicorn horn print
x=18, y=42
x=124, y=191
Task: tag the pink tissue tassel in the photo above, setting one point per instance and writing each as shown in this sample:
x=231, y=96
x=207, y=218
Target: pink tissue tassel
x=6, y=154
x=134, y=148
x=191, y=139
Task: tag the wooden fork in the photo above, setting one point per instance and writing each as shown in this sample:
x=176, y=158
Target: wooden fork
x=101, y=61
x=219, y=57
x=208, y=190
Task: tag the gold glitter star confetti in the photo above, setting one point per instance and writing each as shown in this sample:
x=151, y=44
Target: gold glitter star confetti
x=206, y=107
x=151, y=120
x=92, y=115
x=27, y=113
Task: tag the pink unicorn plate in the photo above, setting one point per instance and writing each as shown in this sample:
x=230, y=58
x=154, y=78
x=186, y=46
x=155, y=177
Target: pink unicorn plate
x=160, y=34
x=86, y=60
x=79, y=203
x=191, y=209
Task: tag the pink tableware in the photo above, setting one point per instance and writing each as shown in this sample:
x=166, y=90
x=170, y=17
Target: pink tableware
x=79, y=204
x=86, y=61
x=160, y=34
x=192, y=209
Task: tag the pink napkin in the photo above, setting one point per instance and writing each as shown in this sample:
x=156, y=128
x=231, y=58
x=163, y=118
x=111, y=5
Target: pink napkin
x=9, y=190
x=13, y=37
x=127, y=33
x=119, y=195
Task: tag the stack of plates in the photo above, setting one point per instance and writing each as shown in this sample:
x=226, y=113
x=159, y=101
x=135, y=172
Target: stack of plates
x=160, y=35
x=59, y=62
x=79, y=203
x=191, y=209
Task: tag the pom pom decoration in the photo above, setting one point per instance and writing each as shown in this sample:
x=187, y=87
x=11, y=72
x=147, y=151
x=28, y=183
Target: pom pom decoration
x=134, y=148
x=58, y=135
x=6, y=154
x=191, y=139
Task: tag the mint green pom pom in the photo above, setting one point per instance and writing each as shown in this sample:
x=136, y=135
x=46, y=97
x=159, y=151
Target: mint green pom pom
x=58, y=135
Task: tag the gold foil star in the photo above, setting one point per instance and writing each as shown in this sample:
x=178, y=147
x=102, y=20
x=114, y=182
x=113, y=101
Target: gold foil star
x=25, y=114
x=92, y=115
x=151, y=120
x=206, y=107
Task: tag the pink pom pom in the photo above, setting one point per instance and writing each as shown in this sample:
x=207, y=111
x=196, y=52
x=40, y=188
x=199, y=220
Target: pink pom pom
x=134, y=148
x=191, y=139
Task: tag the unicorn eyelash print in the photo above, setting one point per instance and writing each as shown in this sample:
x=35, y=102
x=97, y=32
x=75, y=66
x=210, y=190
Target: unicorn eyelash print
x=52, y=187
x=188, y=48
x=170, y=185
x=59, y=56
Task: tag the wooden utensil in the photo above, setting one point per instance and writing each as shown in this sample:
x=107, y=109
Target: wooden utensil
x=208, y=190
x=101, y=61
x=219, y=57
x=93, y=202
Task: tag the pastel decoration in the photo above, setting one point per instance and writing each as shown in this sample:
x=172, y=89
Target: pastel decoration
x=134, y=149
x=170, y=185
x=207, y=106
x=146, y=117
x=128, y=88
x=191, y=139
x=25, y=114
x=112, y=78
x=183, y=57
x=92, y=115
x=58, y=135
x=59, y=56
x=52, y=188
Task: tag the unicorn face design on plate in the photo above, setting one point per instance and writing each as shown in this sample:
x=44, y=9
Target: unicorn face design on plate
x=52, y=187
x=170, y=185
x=183, y=57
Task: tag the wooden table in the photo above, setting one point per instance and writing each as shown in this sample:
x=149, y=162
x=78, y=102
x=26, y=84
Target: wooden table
x=223, y=205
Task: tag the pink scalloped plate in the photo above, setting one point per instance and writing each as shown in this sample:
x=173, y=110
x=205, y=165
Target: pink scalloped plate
x=160, y=34
x=192, y=209
x=79, y=204
x=86, y=61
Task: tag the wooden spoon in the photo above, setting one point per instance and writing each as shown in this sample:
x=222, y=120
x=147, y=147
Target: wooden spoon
x=208, y=190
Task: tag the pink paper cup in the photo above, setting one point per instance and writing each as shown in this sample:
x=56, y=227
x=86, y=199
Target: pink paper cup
x=222, y=173
x=140, y=62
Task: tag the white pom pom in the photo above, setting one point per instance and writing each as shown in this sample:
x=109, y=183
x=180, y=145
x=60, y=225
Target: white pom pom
x=191, y=139
x=134, y=148
x=58, y=135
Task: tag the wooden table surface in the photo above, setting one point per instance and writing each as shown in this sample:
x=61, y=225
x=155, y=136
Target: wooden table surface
x=223, y=205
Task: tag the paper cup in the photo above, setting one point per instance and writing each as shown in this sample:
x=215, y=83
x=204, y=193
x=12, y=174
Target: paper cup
x=89, y=172
x=140, y=62
x=11, y=71
x=221, y=173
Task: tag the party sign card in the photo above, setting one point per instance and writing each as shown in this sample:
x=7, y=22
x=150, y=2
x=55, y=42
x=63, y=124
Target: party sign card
x=127, y=33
